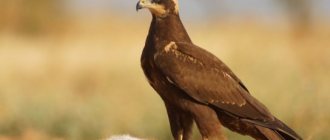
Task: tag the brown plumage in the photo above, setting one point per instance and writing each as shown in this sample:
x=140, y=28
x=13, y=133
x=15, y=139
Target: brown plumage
x=196, y=86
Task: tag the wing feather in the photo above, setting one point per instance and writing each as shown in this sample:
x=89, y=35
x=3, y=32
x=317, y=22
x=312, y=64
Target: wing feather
x=208, y=80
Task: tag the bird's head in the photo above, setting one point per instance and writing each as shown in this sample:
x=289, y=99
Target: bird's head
x=159, y=8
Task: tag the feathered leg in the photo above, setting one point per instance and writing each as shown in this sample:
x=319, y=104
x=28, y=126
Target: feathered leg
x=181, y=123
x=208, y=123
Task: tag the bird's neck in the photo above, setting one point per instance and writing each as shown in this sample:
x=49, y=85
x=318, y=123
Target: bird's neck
x=167, y=29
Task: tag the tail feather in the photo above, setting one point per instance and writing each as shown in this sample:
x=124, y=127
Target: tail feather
x=267, y=129
x=269, y=134
x=276, y=130
x=286, y=131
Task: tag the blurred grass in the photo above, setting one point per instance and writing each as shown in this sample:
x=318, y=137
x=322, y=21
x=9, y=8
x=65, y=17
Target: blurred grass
x=86, y=82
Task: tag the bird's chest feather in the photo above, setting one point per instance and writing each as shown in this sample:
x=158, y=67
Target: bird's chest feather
x=155, y=77
x=163, y=85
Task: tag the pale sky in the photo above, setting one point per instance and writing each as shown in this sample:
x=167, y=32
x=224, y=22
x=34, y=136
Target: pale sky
x=199, y=8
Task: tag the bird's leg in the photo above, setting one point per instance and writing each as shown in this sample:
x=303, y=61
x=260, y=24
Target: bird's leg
x=187, y=124
x=180, y=122
x=208, y=123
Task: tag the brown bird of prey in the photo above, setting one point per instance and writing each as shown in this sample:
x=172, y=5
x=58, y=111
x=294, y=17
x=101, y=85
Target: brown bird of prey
x=196, y=86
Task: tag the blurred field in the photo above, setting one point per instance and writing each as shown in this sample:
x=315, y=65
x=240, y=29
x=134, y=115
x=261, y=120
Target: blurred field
x=82, y=79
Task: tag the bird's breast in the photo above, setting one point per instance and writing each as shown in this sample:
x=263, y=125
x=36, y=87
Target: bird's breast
x=160, y=83
x=153, y=74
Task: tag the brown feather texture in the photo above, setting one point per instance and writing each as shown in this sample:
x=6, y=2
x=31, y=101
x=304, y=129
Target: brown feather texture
x=198, y=87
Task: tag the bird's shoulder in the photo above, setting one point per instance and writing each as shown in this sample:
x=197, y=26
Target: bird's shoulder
x=198, y=57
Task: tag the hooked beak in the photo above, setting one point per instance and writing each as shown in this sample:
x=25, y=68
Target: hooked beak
x=138, y=6
x=143, y=4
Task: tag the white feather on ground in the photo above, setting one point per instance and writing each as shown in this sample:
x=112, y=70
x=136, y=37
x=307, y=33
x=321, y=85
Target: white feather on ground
x=123, y=137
